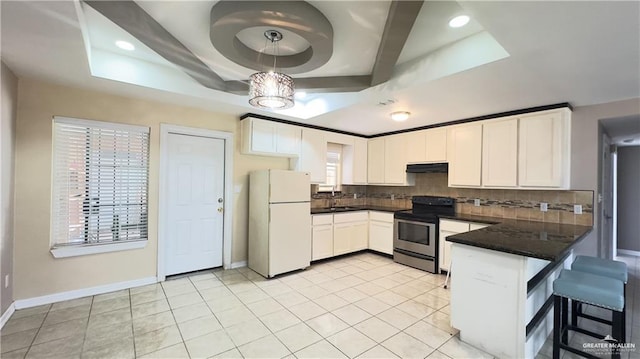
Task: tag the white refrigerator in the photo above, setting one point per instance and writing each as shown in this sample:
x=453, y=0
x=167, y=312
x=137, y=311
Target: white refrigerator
x=279, y=221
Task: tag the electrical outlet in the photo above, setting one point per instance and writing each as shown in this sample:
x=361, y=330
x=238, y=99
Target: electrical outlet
x=476, y=202
x=355, y=196
x=543, y=207
x=577, y=208
x=393, y=196
x=6, y=281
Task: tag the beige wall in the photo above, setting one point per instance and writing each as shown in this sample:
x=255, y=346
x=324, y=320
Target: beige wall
x=586, y=138
x=37, y=273
x=7, y=143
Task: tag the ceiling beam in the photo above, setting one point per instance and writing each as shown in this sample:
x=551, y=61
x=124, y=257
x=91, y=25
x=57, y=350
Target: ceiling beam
x=400, y=20
x=133, y=19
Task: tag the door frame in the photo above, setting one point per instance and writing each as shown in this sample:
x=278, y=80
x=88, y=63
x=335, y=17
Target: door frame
x=227, y=226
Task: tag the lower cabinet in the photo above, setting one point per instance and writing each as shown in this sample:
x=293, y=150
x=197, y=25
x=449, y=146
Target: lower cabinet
x=341, y=233
x=322, y=236
x=381, y=232
x=350, y=232
x=448, y=228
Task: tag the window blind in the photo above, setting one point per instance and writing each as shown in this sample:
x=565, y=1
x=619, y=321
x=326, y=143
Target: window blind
x=100, y=182
x=334, y=160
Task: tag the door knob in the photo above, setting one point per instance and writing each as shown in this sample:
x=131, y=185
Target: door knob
x=220, y=200
x=220, y=209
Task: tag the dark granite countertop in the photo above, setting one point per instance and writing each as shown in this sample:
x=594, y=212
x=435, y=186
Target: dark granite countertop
x=549, y=241
x=354, y=208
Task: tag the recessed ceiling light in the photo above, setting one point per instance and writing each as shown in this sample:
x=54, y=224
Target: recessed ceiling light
x=400, y=116
x=125, y=45
x=459, y=21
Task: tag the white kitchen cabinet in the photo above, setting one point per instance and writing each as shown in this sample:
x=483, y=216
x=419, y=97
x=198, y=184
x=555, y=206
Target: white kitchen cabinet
x=375, y=161
x=500, y=153
x=465, y=155
x=313, y=155
x=416, y=147
x=350, y=232
x=436, y=145
x=354, y=170
x=395, y=164
x=545, y=149
x=270, y=138
x=322, y=236
x=381, y=232
x=448, y=228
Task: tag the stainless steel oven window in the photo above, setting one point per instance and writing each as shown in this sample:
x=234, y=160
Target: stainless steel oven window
x=417, y=232
x=416, y=237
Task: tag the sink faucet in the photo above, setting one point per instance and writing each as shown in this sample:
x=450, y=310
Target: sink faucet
x=333, y=201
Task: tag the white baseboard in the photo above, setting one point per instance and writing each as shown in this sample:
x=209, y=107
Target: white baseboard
x=240, y=264
x=629, y=252
x=79, y=293
x=7, y=314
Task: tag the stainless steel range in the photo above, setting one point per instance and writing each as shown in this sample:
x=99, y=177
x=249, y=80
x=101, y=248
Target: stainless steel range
x=415, y=232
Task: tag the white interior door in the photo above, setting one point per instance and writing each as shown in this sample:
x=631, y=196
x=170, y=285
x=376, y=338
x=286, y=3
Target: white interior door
x=195, y=203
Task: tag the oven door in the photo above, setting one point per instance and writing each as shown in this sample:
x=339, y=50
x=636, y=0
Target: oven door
x=413, y=236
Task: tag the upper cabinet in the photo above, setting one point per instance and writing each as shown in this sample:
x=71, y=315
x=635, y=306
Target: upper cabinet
x=530, y=151
x=416, y=143
x=355, y=159
x=545, y=150
x=465, y=155
x=376, y=157
x=436, y=145
x=313, y=155
x=395, y=163
x=500, y=153
x=262, y=137
x=387, y=161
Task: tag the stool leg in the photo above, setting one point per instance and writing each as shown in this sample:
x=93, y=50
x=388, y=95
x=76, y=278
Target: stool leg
x=616, y=328
x=557, y=326
x=575, y=307
x=624, y=316
x=565, y=319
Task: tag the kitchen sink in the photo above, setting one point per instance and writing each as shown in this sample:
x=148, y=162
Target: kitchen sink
x=343, y=208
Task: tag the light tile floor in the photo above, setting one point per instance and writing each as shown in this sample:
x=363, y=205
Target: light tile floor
x=363, y=306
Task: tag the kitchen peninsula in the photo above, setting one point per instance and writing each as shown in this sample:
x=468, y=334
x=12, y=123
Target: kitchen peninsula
x=502, y=282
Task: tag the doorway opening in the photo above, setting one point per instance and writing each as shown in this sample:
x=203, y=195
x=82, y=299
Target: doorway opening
x=619, y=214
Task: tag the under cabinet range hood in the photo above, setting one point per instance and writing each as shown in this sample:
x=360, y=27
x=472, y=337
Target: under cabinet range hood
x=428, y=168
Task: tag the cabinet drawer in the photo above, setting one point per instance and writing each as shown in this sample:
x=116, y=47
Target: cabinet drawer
x=381, y=216
x=317, y=219
x=351, y=217
x=454, y=226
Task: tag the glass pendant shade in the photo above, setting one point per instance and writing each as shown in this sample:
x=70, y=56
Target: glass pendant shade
x=271, y=90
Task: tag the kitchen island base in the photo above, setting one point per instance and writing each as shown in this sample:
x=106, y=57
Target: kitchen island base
x=502, y=302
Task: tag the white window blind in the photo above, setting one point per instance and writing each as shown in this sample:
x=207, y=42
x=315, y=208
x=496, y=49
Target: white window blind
x=334, y=170
x=100, y=182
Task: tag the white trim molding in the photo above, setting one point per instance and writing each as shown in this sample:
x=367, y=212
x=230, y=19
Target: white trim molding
x=84, y=292
x=629, y=252
x=73, y=251
x=7, y=314
x=165, y=130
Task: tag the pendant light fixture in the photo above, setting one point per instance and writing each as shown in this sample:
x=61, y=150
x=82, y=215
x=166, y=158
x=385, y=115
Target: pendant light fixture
x=272, y=89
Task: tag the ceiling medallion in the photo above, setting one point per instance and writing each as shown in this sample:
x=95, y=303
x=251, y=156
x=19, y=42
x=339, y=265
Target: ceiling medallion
x=296, y=19
x=271, y=89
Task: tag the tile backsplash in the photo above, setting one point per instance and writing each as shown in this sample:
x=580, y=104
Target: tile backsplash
x=501, y=203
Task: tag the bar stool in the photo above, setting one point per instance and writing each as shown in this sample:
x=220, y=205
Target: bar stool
x=606, y=268
x=590, y=289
